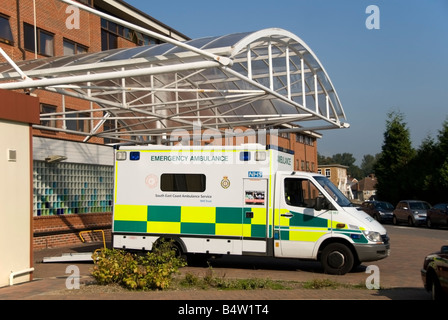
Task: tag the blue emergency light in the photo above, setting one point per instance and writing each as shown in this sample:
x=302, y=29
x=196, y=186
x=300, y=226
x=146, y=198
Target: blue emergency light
x=134, y=156
x=244, y=156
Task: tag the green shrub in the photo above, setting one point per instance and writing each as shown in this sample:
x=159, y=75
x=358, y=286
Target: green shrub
x=151, y=271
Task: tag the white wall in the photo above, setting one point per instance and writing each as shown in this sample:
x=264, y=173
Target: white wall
x=75, y=152
x=15, y=202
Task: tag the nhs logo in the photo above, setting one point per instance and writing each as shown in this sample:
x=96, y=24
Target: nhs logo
x=255, y=174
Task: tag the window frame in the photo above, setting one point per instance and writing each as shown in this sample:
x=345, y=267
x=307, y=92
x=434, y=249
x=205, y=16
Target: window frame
x=76, y=46
x=82, y=125
x=169, y=183
x=27, y=46
x=50, y=109
x=10, y=40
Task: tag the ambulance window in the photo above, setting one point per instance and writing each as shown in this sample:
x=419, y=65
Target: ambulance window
x=300, y=193
x=182, y=182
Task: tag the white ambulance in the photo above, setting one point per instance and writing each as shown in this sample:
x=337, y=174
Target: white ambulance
x=244, y=200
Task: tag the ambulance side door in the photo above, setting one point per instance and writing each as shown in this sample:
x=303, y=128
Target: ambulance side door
x=255, y=216
x=298, y=224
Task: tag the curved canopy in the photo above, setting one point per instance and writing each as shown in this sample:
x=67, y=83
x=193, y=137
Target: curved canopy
x=260, y=80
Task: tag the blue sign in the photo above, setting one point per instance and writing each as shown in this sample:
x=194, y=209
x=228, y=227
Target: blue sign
x=255, y=174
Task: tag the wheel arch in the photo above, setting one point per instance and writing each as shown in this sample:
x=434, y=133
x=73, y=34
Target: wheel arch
x=341, y=240
x=176, y=240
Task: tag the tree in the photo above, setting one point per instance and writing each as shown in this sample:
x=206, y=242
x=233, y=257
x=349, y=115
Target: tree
x=397, y=153
x=422, y=170
x=368, y=164
x=441, y=168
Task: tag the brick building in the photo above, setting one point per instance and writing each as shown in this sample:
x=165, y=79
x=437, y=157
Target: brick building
x=73, y=170
x=83, y=183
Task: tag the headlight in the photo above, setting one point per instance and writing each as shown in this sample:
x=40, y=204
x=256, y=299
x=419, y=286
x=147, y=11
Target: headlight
x=373, y=236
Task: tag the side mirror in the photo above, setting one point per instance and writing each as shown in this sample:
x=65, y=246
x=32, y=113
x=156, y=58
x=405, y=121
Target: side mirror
x=323, y=203
x=319, y=203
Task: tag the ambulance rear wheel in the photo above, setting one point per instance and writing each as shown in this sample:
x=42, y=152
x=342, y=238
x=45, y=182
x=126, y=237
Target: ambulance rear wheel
x=337, y=258
x=176, y=247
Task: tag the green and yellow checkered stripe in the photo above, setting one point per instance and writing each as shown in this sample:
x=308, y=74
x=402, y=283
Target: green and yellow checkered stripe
x=302, y=227
x=220, y=221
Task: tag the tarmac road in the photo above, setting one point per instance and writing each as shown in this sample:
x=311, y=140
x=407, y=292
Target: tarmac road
x=399, y=275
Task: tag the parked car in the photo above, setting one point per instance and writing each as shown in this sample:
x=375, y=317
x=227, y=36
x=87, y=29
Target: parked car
x=381, y=211
x=437, y=215
x=435, y=273
x=412, y=212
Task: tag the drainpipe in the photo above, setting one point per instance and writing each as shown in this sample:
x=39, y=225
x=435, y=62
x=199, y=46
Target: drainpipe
x=35, y=30
x=19, y=31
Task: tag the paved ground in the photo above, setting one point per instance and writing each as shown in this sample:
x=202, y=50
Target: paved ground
x=50, y=282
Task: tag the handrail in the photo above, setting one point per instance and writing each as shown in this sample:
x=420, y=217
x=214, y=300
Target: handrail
x=91, y=231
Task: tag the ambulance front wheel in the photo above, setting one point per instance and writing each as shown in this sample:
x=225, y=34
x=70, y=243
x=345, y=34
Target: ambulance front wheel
x=337, y=258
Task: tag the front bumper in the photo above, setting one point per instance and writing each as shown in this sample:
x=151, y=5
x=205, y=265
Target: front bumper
x=372, y=252
x=420, y=220
x=423, y=273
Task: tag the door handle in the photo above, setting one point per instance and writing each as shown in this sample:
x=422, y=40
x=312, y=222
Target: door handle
x=287, y=215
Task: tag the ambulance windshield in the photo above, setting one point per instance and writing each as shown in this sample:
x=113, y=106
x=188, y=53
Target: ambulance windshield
x=333, y=191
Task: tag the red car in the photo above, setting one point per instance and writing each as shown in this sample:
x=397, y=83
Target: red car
x=437, y=215
x=435, y=274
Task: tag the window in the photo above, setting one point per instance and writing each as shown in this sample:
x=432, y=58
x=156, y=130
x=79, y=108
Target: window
x=109, y=35
x=333, y=191
x=110, y=32
x=300, y=193
x=108, y=40
x=328, y=173
x=71, y=48
x=45, y=40
x=49, y=121
x=441, y=206
x=5, y=30
x=81, y=125
x=109, y=126
x=182, y=182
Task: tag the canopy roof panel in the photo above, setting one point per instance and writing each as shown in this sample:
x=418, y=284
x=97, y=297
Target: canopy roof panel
x=260, y=80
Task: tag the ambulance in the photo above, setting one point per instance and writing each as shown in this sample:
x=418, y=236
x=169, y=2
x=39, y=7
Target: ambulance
x=238, y=200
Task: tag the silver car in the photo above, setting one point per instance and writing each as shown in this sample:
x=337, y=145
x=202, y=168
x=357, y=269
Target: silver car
x=412, y=212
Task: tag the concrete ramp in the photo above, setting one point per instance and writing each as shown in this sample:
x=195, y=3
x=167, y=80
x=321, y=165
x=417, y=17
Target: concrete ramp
x=71, y=257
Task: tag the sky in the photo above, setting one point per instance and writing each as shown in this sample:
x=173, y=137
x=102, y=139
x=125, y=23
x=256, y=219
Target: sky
x=401, y=65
